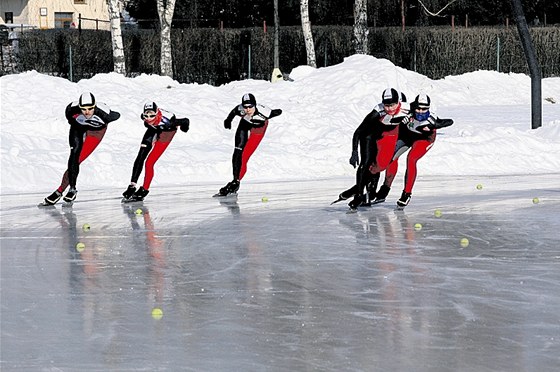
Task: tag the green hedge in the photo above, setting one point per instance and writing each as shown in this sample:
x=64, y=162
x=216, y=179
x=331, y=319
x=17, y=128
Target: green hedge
x=215, y=57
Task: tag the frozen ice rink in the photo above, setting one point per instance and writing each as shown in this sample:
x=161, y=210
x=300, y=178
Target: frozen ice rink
x=288, y=284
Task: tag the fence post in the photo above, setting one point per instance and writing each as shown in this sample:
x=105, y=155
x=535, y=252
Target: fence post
x=498, y=55
x=325, y=53
x=415, y=56
x=70, y=60
x=249, y=53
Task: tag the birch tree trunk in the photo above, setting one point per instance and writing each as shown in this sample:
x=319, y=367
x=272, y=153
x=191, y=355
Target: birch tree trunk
x=360, y=37
x=307, y=35
x=165, y=13
x=276, y=32
x=119, y=65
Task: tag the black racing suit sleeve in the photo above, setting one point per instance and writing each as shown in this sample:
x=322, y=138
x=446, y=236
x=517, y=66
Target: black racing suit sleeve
x=259, y=120
x=366, y=128
x=232, y=114
x=72, y=111
x=183, y=124
x=145, y=148
x=111, y=116
x=274, y=113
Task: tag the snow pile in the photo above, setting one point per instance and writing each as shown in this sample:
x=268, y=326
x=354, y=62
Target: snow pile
x=311, y=139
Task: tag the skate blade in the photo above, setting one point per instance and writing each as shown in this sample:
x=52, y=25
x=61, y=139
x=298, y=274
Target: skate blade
x=45, y=205
x=128, y=201
x=231, y=195
x=337, y=200
x=352, y=211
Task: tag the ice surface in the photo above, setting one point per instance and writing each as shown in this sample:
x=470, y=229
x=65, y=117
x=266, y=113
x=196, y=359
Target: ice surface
x=291, y=284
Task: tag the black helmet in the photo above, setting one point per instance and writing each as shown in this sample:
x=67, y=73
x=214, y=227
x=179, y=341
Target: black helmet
x=389, y=96
x=248, y=99
x=150, y=106
x=422, y=101
x=86, y=100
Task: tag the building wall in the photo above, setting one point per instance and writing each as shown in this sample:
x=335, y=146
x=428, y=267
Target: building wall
x=43, y=13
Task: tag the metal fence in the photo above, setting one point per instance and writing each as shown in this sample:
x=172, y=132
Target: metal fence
x=216, y=56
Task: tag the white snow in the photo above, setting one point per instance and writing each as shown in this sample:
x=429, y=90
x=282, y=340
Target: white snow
x=492, y=133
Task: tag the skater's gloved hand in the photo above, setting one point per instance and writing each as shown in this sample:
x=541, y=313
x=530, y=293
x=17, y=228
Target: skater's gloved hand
x=442, y=123
x=227, y=123
x=354, y=159
x=183, y=124
x=406, y=120
x=425, y=128
x=400, y=120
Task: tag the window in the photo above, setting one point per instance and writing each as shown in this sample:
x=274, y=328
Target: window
x=63, y=19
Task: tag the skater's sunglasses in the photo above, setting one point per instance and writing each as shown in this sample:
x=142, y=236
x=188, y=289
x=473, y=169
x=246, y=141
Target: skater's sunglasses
x=421, y=109
x=248, y=106
x=150, y=116
x=87, y=108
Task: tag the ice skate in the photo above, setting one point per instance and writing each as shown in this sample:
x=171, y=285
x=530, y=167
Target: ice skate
x=229, y=189
x=128, y=194
x=52, y=199
x=404, y=200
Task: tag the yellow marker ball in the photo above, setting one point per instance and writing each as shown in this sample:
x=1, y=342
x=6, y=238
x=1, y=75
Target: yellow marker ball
x=464, y=242
x=535, y=200
x=86, y=227
x=264, y=199
x=479, y=186
x=437, y=213
x=157, y=313
x=80, y=247
x=418, y=226
x=138, y=211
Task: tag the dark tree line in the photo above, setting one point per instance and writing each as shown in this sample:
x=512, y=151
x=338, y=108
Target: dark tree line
x=381, y=13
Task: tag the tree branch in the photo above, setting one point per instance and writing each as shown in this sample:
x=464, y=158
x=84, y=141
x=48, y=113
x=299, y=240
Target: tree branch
x=435, y=14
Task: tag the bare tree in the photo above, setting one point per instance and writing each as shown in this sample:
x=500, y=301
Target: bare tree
x=165, y=10
x=361, y=31
x=307, y=34
x=119, y=65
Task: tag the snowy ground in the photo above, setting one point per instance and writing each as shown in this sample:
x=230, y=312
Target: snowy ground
x=288, y=284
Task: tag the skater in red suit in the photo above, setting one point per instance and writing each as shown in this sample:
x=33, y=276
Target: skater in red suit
x=161, y=127
x=88, y=121
x=249, y=134
x=377, y=136
x=418, y=136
